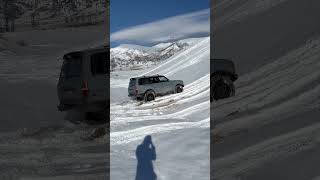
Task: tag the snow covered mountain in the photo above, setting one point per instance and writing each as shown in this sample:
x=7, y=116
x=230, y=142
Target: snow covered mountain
x=127, y=56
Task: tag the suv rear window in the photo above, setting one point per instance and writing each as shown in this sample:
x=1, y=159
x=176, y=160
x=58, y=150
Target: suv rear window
x=132, y=82
x=99, y=63
x=71, y=66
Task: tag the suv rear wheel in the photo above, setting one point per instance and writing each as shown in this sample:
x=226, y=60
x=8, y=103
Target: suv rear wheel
x=149, y=96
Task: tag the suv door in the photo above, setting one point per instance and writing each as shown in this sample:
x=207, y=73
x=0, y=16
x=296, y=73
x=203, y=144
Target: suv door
x=98, y=79
x=145, y=84
x=165, y=85
x=155, y=85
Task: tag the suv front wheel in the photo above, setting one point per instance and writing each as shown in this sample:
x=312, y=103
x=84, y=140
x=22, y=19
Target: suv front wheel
x=179, y=88
x=149, y=96
x=222, y=90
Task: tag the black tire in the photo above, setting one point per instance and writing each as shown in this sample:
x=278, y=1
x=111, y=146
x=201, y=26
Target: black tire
x=221, y=91
x=149, y=96
x=179, y=89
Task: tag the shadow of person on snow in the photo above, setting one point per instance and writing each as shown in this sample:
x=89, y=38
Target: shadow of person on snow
x=146, y=153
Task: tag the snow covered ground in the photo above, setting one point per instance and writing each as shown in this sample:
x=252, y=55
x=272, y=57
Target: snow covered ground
x=269, y=130
x=36, y=140
x=179, y=123
x=283, y=92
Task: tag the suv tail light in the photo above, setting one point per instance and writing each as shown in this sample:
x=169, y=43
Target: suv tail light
x=85, y=89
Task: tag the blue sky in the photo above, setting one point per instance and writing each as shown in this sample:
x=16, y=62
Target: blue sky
x=147, y=22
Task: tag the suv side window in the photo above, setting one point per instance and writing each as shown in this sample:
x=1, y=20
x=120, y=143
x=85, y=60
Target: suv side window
x=143, y=81
x=154, y=79
x=163, y=79
x=99, y=63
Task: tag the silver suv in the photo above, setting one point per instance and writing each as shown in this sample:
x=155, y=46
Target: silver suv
x=84, y=80
x=222, y=76
x=148, y=87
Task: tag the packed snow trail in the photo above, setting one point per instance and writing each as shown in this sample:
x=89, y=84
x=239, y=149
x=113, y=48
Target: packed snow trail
x=185, y=113
x=281, y=101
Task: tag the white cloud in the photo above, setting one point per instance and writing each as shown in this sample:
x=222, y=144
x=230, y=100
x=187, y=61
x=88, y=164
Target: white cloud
x=172, y=28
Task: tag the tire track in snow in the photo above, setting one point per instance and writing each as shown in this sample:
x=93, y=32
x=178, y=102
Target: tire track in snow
x=176, y=115
x=273, y=93
x=267, y=151
x=124, y=137
x=191, y=93
x=282, y=80
x=193, y=101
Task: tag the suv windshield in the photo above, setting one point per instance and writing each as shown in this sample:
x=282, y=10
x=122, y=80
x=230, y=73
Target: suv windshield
x=71, y=66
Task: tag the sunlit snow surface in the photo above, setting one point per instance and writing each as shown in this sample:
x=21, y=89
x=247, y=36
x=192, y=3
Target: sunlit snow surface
x=178, y=123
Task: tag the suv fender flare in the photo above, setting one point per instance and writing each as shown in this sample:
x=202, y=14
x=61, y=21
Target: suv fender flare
x=150, y=90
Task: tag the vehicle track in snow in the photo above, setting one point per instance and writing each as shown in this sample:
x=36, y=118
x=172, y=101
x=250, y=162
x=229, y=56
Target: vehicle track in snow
x=178, y=123
x=267, y=116
x=167, y=110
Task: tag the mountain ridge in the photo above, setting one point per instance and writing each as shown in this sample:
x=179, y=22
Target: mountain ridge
x=131, y=56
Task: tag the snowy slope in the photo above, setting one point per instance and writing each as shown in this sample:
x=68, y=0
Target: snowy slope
x=269, y=130
x=178, y=123
x=279, y=93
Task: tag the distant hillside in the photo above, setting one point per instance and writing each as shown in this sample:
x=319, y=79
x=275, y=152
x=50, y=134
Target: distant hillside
x=129, y=56
x=48, y=14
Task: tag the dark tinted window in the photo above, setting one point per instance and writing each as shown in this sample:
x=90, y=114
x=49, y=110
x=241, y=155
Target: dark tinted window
x=143, y=81
x=154, y=80
x=71, y=66
x=132, y=82
x=99, y=63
